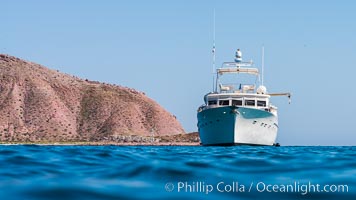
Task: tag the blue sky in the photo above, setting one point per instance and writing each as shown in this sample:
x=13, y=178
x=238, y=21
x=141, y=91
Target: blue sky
x=163, y=48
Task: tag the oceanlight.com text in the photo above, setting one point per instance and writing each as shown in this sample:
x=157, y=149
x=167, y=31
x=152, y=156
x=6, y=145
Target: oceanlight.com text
x=260, y=187
x=301, y=188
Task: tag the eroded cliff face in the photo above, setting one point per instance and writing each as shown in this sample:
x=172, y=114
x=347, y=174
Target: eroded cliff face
x=40, y=104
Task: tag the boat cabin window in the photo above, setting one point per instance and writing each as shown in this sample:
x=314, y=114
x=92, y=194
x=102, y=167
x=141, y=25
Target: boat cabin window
x=249, y=102
x=212, y=102
x=237, y=102
x=224, y=102
x=261, y=103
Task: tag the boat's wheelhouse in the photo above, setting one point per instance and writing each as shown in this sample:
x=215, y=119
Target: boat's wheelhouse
x=239, y=94
x=239, y=100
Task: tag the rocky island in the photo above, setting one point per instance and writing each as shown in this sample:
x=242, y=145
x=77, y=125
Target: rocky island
x=41, y=105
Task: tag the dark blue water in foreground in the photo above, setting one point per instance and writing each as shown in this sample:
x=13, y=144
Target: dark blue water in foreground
x=171, y=172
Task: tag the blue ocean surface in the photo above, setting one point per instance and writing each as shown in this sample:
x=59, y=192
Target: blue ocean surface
x=176, y=172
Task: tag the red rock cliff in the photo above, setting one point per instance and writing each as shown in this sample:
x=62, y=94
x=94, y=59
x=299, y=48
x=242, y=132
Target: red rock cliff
x=40, y=104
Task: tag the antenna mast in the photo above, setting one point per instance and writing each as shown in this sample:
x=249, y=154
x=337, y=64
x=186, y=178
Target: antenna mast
x=213, y=51
x=263, y=62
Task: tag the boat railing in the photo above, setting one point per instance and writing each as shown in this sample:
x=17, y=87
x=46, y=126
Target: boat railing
x=237, y=88
x=237, y=70
x=237, y=64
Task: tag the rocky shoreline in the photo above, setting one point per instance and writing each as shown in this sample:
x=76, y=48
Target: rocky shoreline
x=106, y=144
x=190, y=139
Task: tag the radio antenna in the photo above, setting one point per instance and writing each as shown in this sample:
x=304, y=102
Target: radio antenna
x=263, y=62
x=213, y=51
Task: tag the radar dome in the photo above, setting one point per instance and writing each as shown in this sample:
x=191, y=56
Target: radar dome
x=261, y=90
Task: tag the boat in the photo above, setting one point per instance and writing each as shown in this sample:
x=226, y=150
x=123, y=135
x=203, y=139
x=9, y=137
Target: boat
x=238, y=113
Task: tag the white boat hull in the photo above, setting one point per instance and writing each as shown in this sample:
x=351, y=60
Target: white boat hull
x=230, y=125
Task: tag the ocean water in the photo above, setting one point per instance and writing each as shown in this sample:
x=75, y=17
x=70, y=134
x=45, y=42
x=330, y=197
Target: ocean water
x=176, y=172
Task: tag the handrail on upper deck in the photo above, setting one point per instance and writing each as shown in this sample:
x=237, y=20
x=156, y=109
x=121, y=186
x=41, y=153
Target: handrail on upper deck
x=253, y=71
x=237, y=64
